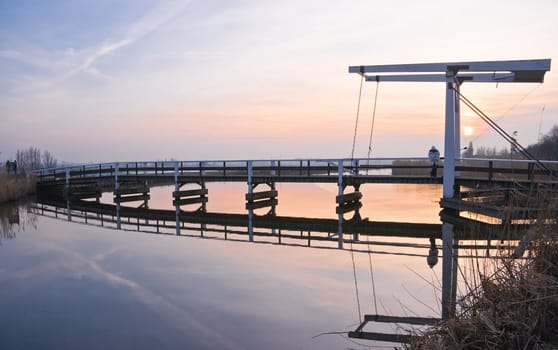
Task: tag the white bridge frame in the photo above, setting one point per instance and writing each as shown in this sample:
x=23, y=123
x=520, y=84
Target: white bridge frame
x=453, y=75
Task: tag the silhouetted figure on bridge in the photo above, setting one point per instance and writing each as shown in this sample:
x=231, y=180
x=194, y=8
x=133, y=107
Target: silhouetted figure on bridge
x=434, y=156
x=11, y=167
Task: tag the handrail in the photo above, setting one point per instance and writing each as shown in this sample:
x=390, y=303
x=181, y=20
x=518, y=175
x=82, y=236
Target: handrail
x=311, y=162
x=280, y=167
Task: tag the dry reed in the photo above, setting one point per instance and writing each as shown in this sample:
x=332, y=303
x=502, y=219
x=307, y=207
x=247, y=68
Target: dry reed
x=13, y=188
x=512, y=304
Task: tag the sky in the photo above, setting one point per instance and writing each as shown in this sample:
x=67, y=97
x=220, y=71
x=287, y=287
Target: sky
x=130, y=80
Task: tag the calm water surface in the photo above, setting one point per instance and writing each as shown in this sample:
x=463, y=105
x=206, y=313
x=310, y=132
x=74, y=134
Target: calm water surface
x=66, y=285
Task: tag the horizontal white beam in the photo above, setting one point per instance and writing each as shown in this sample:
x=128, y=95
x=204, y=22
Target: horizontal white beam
x=476, y=77
x=542, y=65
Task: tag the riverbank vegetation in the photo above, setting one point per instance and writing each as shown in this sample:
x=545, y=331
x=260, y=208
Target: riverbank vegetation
x=16, y=180
x=545, y=149
x=13, y=187
x=511, y=303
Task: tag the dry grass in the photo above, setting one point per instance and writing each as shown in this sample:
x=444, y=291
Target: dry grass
x=514, y=306
x=12, y=188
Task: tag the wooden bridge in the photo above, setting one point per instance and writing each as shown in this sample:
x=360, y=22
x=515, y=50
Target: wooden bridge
x=482, y=186
x=346, y=172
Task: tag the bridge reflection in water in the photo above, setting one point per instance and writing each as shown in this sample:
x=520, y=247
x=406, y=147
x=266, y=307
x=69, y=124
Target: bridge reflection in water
x=362, y=235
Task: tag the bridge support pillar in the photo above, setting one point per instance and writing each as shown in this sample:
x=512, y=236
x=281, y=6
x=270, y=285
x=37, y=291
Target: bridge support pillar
x=262, y=199
x=346, y=203
x=176, y=205
x=451, y=131
x=449, y=271
x=132, y=191
x=340, y=194
x=190, y=196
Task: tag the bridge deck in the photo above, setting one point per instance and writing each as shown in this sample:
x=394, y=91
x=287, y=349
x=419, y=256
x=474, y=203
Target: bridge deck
x=470, y=172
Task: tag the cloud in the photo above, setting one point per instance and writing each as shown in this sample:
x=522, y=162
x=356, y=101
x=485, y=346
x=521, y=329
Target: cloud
x=59, y=66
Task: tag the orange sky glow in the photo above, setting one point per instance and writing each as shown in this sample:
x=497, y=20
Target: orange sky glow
x=186, y=80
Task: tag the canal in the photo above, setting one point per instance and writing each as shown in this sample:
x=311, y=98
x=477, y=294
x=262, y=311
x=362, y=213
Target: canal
x=67, y=284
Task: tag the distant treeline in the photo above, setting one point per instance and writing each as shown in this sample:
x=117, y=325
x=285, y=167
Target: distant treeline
x=29, y=159
x=545, y=149
x=32, y=158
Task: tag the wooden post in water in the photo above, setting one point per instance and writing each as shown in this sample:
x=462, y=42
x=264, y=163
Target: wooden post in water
x=447, y=269
x=116, y=188
x=340, y=191
x=454, y=278
x=177, y=206
x=250, y=209
x=68, y=208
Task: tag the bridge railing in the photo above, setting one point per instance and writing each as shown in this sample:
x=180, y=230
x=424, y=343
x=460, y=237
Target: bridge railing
x=236, y=168
x=507, y=169
x=471, y=168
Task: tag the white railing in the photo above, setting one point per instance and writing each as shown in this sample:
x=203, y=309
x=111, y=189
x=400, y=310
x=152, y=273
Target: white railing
x=467, y=167
x=275, y=167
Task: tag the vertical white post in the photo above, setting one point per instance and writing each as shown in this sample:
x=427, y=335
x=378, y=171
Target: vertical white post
x=447, y=269
x=177, y=198
x=454, y=278
x=250, y=210
x=449, y=141
x=451, y=147
x=116, y=188
x=457, y=125
x=250, y=173
x=67, y=180
x=340, y=186
x=116, y=183
x=68, y=208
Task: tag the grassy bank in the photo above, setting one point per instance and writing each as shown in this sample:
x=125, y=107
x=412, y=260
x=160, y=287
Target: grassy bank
x=510, y=304
x=13, y=188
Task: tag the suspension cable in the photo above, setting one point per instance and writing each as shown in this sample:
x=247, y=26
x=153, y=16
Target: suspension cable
x=356, y=283
x=373, y=118
x=503, y=133
x=372, y=279
x=357, y=114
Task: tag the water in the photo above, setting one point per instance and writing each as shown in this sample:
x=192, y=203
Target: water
x=70, y=285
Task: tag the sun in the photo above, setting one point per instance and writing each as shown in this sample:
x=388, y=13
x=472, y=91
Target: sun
x=468, y=130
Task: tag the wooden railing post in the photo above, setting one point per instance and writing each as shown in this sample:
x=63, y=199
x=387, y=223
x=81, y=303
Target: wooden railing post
x=116, y=170
x=177, y=207
x=249, y=171
x=340, y=193
x=68, y=180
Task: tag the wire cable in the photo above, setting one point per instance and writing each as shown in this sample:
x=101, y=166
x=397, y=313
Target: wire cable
x=356, y=283
x=357, y=115
x=503, y=133
x=372, y=125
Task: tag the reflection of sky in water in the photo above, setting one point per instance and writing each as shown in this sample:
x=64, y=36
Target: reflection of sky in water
x=66, y=285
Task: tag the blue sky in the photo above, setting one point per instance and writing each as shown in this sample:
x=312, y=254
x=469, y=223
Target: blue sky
x=141, y=80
